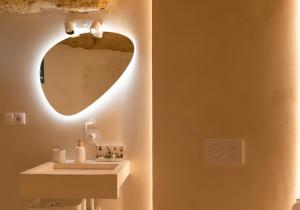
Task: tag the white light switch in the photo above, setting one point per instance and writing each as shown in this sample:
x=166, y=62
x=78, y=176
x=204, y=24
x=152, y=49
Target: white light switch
x=14, y=118
x=226, y=152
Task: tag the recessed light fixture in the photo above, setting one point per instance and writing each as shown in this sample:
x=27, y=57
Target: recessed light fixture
x=96, y=29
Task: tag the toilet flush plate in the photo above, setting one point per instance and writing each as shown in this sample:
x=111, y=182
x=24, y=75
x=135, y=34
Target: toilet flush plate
x=224, y=151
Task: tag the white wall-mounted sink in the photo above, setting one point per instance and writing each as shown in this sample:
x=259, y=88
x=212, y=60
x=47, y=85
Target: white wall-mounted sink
x=74, y=180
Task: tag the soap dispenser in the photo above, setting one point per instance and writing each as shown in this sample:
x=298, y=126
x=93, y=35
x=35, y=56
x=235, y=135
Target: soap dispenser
x=80, y=152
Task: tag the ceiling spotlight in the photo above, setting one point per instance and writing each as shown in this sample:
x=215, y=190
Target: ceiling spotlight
x=96, y=29
x=69, y=27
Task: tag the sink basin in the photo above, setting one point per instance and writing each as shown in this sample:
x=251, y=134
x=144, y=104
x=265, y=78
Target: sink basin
x=74, y=180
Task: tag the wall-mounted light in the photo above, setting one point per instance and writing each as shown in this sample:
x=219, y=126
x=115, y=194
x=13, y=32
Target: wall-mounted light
x=82, y=26
x=69, y=27
x=96, y=29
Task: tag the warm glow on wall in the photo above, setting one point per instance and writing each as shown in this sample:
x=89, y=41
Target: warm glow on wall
x=298, y=97
x=139, y=69
x=104, y=100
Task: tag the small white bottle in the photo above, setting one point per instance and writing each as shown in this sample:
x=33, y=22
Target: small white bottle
x=80, y=152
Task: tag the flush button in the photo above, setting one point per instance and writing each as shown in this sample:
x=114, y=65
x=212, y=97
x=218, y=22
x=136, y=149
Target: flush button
x=215, y=151
x=224, y=151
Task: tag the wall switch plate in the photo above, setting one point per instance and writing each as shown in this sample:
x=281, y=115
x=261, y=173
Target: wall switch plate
x=11, y=118
x=224, y=151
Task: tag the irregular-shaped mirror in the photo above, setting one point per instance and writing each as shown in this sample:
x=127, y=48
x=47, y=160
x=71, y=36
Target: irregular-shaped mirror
x=77, y=71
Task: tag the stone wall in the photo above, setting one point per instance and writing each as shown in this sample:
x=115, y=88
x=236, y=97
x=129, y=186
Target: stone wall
x=36, y=6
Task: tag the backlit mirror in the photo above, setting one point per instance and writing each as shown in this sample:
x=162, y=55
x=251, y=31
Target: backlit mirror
x=77, y=71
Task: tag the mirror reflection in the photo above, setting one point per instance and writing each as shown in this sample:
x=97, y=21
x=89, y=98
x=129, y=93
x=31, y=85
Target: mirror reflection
x=77, y=71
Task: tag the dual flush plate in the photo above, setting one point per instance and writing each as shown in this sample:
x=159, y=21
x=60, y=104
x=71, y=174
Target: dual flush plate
x=224, y=151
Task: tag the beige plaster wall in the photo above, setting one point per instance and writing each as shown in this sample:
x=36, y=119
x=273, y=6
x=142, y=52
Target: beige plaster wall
x=224, y=69
x=123, y=117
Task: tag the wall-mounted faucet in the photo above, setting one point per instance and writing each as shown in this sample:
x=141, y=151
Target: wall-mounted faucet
x=92, y=135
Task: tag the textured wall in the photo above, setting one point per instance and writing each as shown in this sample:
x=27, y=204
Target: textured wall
x=224, y=68
x=35, y=6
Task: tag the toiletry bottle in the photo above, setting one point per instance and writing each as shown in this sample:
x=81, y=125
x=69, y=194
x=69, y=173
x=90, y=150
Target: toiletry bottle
x=80, y=152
